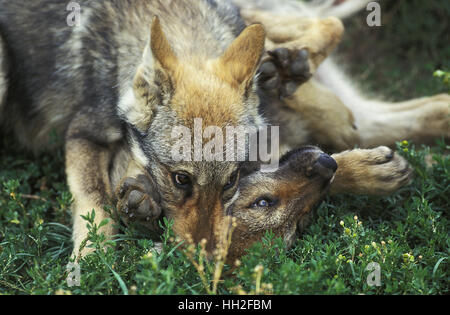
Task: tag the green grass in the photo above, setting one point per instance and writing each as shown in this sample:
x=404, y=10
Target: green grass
x=407, y=233
x=398, y=59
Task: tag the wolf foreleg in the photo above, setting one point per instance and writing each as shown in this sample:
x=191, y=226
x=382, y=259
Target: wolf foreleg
x=378, y=171
x=87, y=169
x=138, y=200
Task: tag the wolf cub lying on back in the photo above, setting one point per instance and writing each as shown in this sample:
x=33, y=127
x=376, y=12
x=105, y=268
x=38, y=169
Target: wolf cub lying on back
x=282, y=201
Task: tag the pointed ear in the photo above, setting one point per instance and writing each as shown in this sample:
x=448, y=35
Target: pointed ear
x=161, y=50
x=241, y=60
x=150, y=85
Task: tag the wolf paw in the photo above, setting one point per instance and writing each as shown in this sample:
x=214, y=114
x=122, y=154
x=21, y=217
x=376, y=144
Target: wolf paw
x=389, y=171
x=284, y=71
x=379, y=171
x=137, y=201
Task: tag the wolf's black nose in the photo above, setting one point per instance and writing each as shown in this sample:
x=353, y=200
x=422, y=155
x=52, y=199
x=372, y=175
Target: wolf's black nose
x=328, y=162
x=325, y=167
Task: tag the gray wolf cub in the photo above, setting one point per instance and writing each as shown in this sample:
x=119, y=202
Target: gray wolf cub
x=120, y=82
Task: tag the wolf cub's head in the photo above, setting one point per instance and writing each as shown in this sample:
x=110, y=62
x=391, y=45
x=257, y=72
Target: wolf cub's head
x=282, y=201
x=172, y=91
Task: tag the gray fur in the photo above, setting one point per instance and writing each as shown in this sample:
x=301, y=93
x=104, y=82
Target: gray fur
x=56, y=70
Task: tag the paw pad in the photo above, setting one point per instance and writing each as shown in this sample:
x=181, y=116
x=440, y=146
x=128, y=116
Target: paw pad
x=285, y=71
x=137, y=200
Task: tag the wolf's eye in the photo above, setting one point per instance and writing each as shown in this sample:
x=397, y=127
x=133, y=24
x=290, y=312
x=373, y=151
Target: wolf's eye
x=264, y=203
x=232, y=181
x=181, y=180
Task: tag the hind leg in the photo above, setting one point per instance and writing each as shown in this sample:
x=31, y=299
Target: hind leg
x=296, y=47
x=330, y=123
x=318, y=36
x=421, y=120
x=286, y=89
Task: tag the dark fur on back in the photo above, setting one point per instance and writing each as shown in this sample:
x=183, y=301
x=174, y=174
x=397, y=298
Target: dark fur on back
x=56, y=70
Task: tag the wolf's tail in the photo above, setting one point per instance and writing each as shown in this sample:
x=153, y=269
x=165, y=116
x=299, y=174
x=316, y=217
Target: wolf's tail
x=316, y=8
